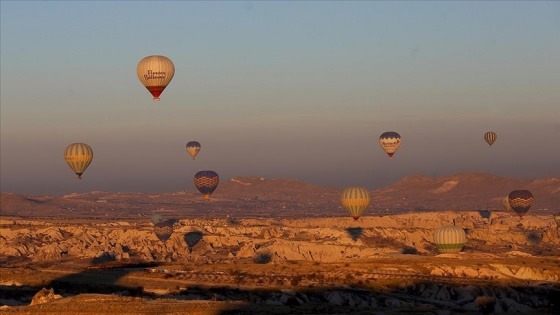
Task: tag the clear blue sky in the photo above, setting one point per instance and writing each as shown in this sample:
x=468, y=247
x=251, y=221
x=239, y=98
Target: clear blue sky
x=277, y=89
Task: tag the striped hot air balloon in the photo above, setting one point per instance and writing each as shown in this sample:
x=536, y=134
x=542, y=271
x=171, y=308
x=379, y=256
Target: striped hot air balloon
x=78, y=156
x=450, y=239
x=155, y=73
x=164, y=229
x=355, y=200
x=490, y=137
x=206, y=182
x=520, y=201
x=193, y=147
x=390, y=142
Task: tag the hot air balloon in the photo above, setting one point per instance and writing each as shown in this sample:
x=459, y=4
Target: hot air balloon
x=206, y=182
x=520, y=201
x=164, y=229
x=355, y=200
x=450, y=239
x=490, y=137
x=157, y=218
x=390, y=142
x=505, y=203
x=78, y=156
x=155, y=73
x=193, y=147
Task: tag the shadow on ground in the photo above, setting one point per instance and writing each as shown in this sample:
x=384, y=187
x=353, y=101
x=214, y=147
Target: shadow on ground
x=355, y=232
x=357, y=297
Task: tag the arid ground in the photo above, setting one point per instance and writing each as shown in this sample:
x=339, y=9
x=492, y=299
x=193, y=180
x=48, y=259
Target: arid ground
x=250, y=261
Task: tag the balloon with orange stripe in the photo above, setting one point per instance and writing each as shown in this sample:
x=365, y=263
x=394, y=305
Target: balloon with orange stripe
x=520, y=201
x=355, y=200
x=206, y=182
x=78, y=156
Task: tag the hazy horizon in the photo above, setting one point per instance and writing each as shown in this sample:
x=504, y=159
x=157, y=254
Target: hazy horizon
x=297, y=90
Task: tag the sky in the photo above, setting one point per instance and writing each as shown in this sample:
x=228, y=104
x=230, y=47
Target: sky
x=298, y=90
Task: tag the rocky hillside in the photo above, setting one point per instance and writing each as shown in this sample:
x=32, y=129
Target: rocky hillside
x=322, y=240
x=253, y=197
x=275, y=266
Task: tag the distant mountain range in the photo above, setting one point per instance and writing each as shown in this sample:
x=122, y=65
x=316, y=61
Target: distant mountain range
x=260, y=197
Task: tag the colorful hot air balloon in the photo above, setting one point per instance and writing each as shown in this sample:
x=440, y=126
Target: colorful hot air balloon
x=355, y=200
x=206, y=182
x=157, y=218
x=164, y=229
x=520, y=201
x=450, y=239
x=78, y=156
x=505, y=203
x=390, y=142
x=193, y=147
x=490, y=137
x=155, y=73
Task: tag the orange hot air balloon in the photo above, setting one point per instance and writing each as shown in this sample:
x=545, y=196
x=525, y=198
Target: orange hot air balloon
x=155, y=73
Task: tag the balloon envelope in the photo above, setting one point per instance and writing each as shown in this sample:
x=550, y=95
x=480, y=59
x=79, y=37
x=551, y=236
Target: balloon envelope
x=155, y=73
x=206, y=182
x=156, y=218
x=78, y=156
x=520, y=201
x=164, y=229
x=490, y=137
x=390, y=142
x=355, y=200
x=193, y=147
x=450, y=239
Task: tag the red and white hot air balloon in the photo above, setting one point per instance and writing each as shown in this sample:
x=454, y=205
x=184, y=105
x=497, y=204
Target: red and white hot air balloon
x=155, y=73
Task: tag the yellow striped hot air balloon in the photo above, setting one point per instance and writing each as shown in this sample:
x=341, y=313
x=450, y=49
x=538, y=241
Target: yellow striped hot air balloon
x=78, y=156
x=155, y=73
x=355, y=200
x=450, y=239
x=490, y=137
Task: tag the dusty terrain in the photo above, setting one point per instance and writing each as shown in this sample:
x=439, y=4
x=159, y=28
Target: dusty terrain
x=283, y=247
x=256, y=197
x=332, y=265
